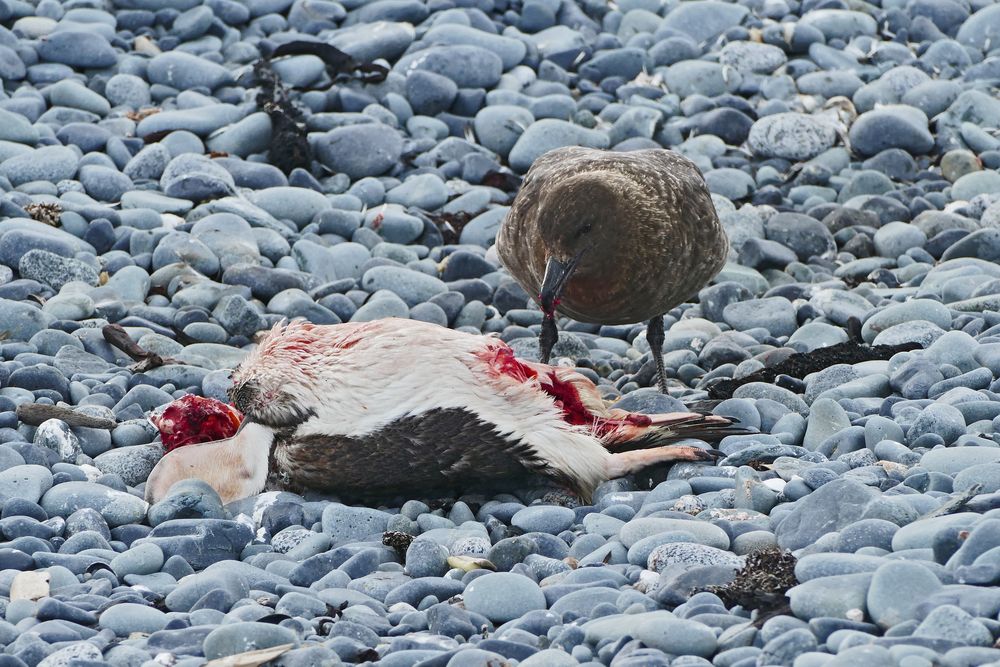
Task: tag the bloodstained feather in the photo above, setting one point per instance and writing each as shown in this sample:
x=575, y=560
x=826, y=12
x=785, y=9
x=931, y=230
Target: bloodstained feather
x=192, y=419
x=565, y=395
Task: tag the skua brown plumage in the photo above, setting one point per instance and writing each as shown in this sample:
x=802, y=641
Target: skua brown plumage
x=612, y=238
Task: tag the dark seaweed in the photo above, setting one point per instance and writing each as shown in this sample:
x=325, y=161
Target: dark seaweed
x=450, y=224
x=802, y=364
x=289, y=147
x=761, y=583
x=339, y=65
x=399, y=541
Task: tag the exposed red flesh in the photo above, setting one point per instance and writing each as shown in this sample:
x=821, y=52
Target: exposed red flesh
x=502, y=360
x=567, y=399
x=193, y=419
x=564, y=394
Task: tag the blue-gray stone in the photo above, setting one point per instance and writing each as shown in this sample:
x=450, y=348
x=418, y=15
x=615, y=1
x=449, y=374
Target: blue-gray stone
x=550, y=133
x=954, y=623
x=503, y=596
x=498, y=127
x=834, y=596
x=77, y=48
x=131, y=464
x=346, y=524
x=467, y=65
x=655, y=629
x=48, y=163
x=893, y=126
x=896, y=591
x=195, y=177
x=551, y=519
x=54, y=270
x=980, y=29
x=412, y=287
x=116, y=507
x=27, y=482
x=125, y=619
x=359, y=150
x=243, y=637
x=790, y=135
x=183, y=70
x=830, y=507
x=426, y=558
x=127, y=90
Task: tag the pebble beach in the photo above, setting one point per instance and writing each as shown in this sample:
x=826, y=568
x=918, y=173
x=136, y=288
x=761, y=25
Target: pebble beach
x=852, y=149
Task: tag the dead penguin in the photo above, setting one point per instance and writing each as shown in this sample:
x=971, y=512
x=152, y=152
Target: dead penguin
x=398, y=407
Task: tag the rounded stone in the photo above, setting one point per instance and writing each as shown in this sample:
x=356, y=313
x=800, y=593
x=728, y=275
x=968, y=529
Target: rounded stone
x=125, y=619
x=551, y=519
x=790, y=135
x=236, y=638
x=503, y=596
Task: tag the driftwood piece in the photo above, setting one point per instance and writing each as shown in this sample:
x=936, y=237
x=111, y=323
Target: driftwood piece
x=956, y=504
x=470, y=563
x=251, y=658
x=36, y=413
x=116, y=336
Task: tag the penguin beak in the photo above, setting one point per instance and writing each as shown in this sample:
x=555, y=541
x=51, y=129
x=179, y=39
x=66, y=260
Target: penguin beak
x=557, y=274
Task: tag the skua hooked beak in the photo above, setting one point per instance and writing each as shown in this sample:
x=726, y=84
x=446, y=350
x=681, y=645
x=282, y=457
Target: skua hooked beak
x=557, y=274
